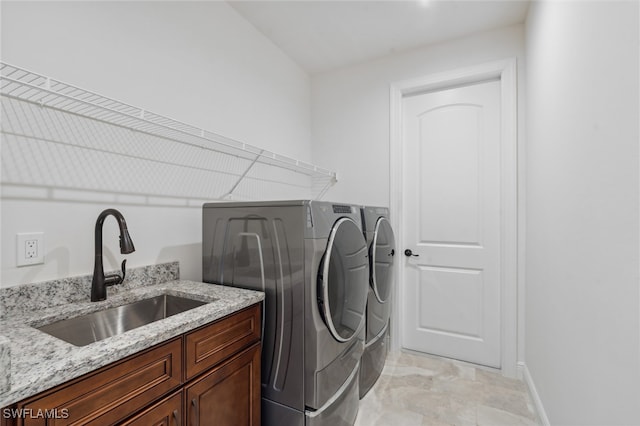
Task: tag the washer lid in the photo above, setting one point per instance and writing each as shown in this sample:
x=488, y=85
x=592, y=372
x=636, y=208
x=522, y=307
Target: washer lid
x=342, y=280
x=383, y=249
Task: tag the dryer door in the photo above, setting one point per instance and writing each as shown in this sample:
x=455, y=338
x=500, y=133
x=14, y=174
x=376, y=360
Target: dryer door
x=342, y=280
x=383, y=250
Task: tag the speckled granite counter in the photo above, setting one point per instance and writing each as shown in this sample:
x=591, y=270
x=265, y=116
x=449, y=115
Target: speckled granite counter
x=40, y=361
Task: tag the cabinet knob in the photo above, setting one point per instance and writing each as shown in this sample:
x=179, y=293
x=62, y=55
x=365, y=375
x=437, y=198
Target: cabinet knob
x=194, y=405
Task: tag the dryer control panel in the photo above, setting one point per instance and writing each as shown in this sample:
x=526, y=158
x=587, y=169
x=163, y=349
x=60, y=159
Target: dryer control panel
x=338, y=208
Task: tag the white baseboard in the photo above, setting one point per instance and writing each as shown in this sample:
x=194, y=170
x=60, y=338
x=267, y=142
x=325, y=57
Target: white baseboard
x=523, y=372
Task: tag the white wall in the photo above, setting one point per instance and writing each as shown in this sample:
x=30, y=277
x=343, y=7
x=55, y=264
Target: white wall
x=350, y=108
x=197, y=62
x=582, y=301
x=350, y=118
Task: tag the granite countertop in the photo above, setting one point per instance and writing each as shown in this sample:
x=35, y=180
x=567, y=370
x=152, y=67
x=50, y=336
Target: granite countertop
x=40, y=361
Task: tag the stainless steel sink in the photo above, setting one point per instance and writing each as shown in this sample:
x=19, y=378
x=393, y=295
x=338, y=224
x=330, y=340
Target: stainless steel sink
x=89, y=328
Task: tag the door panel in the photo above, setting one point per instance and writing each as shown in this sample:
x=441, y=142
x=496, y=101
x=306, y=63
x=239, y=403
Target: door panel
x=464, y=288
x=452, y=223
x=449, y=146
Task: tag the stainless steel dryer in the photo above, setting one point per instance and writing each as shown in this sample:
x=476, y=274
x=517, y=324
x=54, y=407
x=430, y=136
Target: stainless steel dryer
x=381, y=245
x=310, y=258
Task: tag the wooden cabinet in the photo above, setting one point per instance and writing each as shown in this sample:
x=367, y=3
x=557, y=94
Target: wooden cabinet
x=167, y=412
x=208, y=345
x=113, y=393
x=5, y=418
x=228, y=395
x=209, y=376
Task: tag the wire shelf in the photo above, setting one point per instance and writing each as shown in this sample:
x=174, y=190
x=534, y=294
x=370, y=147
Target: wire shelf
x=239, y=170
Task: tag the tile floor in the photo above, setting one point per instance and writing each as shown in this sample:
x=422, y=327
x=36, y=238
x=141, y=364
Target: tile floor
x=422, y=390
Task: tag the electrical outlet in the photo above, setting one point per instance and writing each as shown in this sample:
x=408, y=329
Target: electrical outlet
x=30, y=248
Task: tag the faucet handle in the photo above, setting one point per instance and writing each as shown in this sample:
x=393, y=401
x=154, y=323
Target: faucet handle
x=124, y=269
x=115, y=279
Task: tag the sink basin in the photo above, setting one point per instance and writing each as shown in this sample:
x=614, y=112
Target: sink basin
x=89, y=328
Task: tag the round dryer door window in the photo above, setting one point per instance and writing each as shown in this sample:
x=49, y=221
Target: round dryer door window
x=383, y=250
x=342, y=280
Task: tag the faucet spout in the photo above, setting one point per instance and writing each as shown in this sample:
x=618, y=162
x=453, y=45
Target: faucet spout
x=100, y=281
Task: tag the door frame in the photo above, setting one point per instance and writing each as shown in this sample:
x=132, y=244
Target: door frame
x=505, y=71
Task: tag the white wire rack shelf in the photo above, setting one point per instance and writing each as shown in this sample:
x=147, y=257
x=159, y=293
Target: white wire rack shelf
x=17, y=83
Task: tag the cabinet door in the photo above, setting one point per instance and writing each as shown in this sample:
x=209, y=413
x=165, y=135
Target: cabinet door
x=229, y=395
x=167, y=412
x=6, y=418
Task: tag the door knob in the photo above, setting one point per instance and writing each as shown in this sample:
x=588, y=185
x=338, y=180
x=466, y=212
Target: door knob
x=409, y=253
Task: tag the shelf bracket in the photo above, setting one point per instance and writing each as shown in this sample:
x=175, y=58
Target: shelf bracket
x=229, y=194
x=332, y=181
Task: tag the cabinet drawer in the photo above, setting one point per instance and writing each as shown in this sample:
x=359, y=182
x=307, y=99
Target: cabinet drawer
x=112, y=393
x=213, y=343
x=167, y=412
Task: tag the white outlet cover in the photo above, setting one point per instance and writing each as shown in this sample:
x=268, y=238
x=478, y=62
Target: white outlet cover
x=28, y=253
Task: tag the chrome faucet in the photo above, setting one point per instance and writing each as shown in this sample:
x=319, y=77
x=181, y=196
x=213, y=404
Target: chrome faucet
x=100, y=282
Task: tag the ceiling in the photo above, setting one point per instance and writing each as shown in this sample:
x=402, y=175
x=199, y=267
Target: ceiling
x=325, y=35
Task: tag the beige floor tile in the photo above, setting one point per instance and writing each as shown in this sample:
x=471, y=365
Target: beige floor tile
x=512, y=401
x=496, y=379
x=452, y=412
x=388, y=417
x=489, y=416
x=431, y=391
x=460, y=388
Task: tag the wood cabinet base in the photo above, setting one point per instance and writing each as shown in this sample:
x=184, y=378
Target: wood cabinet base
x=204, y=377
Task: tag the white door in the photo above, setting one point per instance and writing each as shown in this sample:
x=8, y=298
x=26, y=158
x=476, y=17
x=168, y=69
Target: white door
x=451, y=212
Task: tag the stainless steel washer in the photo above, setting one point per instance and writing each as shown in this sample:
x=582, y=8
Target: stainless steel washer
x=382, y=253
x=310, y=258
